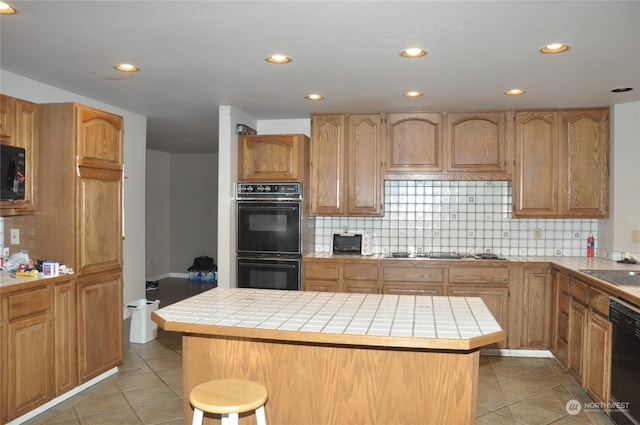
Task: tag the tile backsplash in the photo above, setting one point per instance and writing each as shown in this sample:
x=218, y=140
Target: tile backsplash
x=459, y=216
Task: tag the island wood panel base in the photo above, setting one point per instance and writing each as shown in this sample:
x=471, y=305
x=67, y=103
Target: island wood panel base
x=336, y=384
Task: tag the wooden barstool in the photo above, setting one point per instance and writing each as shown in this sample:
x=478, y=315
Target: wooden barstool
x=228, y=397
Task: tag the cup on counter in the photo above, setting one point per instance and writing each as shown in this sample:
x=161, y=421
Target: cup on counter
x=50, y=268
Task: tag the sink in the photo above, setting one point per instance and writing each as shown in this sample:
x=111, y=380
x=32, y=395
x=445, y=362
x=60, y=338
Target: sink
x=616, y=277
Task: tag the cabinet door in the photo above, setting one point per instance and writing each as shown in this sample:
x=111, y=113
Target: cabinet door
x=534, y=331
x=328, y=165
x=64, y=318
x=476, y=142
x=560, y=316
x=578, y=315
x=584, y=163
x=99, y=138
x=7, y=111
x=320, y=276
x=598, y=384
x=360, y=277
x=100, y=346
x=365, y=165
x=414, y=143
x=99, y=221
x=28, y=364
x=535, y=183
x=271, y=157
x=496, y=299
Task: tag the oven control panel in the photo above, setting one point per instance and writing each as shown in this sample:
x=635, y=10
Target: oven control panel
x=292, y=190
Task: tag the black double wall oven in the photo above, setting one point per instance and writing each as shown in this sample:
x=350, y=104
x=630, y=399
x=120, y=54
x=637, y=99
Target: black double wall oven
x=269, y=242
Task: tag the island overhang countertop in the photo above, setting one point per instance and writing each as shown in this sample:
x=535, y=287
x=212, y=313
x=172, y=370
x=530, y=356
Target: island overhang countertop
x=398, y=321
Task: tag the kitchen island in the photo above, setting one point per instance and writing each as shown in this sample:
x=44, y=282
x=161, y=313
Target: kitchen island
x=337, y=358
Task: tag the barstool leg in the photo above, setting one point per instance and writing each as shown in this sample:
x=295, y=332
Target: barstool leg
x=197, y=416
x=260, y=417
x=233, y=419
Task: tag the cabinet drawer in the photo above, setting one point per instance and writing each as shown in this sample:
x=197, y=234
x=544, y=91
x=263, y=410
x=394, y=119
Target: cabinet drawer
x=479, y=275
x=26, y=303
x=360, y=272
x=599, y=301
x=579, y=291
x=321, y=271
x=412, y=274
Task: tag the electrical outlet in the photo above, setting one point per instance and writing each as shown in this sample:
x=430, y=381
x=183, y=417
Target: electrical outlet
x=15, y=236
x=635, y=236
x=537, y=233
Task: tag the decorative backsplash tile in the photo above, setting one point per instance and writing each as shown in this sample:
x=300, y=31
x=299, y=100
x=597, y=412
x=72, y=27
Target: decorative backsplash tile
x=459, y=216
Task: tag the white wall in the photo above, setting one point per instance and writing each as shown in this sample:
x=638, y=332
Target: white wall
x=135, y=141
x=194, y=209
x=624, y=202
x=158, y=216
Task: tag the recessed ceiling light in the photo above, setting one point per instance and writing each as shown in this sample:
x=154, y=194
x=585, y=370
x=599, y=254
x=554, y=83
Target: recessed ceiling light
x=314, y=96
x=127, y=67
x=413, y=94
x=6, y=9
x=514, y=92
x=278, y=58
x=621, y=89
x=413, y=52
x=554, y=48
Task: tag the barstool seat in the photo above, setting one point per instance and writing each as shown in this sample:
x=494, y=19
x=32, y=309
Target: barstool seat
x=228, y=397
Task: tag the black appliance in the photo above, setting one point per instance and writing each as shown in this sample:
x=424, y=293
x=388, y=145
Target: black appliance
x=12, y=172
x=268, y=236
x=625, y=358
x=347, y=244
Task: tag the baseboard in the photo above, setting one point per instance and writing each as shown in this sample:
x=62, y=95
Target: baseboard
x=157, y=278
x=35, y=412
x=180, y=275
x=515, y=353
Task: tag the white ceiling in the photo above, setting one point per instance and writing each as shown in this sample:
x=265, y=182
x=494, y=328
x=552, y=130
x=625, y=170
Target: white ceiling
x=196, y=55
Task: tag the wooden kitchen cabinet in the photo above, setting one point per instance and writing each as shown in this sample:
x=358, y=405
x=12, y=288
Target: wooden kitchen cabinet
x=346, y=165
x=100, y=345
x=82, y=212
x=598, y=347
x=561, y=164
x=408, y=278
x=277, y=157
x=414, y=143
x=19, y=127
x=28, y=381
x=476, y=142
x=64, y=335
x=578, y=319
x=560, y=316
x=534, y=314
x=342, y=276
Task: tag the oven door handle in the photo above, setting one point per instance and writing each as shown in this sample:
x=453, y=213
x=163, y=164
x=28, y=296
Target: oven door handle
x=281, y=266
x=267, y=207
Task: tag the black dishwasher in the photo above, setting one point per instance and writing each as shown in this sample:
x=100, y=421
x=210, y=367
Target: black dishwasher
x=625, y=362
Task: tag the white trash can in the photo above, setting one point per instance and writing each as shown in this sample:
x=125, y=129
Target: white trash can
x=143, y=329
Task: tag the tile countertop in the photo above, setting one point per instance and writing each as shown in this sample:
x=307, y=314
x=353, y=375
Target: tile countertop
x=9, y=283
x=396, y=321
x=572, y=264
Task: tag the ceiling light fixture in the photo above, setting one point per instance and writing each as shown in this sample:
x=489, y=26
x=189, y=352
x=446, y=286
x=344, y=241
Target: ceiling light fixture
x=621, y=89
x=278, y=58
x=413, y=94
x=514, y=92
x=554, y=48
x=314, y=97
x=413, y=52
x=6, y=9
x=127, y=67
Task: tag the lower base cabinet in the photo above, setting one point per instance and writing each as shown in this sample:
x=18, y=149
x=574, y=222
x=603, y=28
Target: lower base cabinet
x=100, y=324
x=64, y=331
x=598, y=347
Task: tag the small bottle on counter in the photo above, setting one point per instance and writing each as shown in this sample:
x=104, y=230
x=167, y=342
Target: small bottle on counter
x=591, y=245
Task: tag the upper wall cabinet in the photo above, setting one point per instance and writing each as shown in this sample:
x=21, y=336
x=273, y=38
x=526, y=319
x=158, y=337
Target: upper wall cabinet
x=346, y=170
x=277, y=157
x=19, y=127
x=561, y=164
x=447, y=146
x=414, y=143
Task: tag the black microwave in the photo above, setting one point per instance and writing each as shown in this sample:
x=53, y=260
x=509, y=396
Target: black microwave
x=12, y=172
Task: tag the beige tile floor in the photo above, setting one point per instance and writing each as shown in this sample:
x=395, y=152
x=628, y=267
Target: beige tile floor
x=147, y=390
